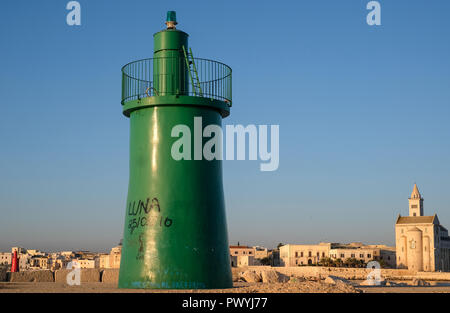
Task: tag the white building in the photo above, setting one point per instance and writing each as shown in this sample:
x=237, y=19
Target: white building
x=5, y=258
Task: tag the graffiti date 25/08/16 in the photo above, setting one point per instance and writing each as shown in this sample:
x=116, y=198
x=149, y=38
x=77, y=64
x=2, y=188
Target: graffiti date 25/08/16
x=144, y=221
x=152, y=215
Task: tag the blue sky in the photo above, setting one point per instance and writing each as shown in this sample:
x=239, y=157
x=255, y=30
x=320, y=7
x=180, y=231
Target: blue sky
x=363, y=114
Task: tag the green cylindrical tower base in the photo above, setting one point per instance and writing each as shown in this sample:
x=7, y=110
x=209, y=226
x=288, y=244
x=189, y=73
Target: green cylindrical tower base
x=175, y=232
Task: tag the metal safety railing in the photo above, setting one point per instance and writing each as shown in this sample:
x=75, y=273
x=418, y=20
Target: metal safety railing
x=171, y=76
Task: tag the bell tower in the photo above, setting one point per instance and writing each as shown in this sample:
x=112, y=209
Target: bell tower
x=415, y=203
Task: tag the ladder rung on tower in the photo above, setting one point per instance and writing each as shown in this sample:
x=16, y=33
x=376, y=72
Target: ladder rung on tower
x=193, y=74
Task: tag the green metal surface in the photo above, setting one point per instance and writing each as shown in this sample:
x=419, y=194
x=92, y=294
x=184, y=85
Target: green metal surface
x=175, y=233
x=219, y=106
x=169, y=69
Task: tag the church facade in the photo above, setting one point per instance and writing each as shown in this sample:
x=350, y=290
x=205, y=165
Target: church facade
x=422, y=243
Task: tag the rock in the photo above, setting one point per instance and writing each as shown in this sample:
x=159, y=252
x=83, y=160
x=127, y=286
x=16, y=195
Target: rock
x=367, y=283
x=235, y=274
x=271, y=276
x=393, y=284
x=419, y=282
x=373, y=282
x=251, y=277
x=283, y=278
x=294, y=279
x=87, y=275
x=333, y=280
x=110, y=275
x=41, y=276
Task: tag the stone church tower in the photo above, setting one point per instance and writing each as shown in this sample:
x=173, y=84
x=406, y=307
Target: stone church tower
x=415, y=203
x=422, y=243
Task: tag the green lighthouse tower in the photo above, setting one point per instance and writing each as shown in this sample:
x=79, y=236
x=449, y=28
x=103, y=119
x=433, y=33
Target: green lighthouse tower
x=175, y=233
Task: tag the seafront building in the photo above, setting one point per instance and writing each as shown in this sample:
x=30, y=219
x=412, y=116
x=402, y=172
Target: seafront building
x=248, y=256
x=5, y=258
x=242, y=256
x=298, y=255
x=111, y=260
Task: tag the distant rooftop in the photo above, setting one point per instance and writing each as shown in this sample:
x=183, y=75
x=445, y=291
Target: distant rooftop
x=416, y=219
x=240, y=247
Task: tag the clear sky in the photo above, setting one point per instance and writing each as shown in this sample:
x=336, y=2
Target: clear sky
x=363, y=114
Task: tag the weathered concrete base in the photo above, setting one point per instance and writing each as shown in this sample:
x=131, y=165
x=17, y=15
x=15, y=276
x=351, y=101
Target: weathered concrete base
x=437, y=276
x=283, y=274
x=88, y=275
x=43, y=276
x=110, y=276
x=3, y=274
